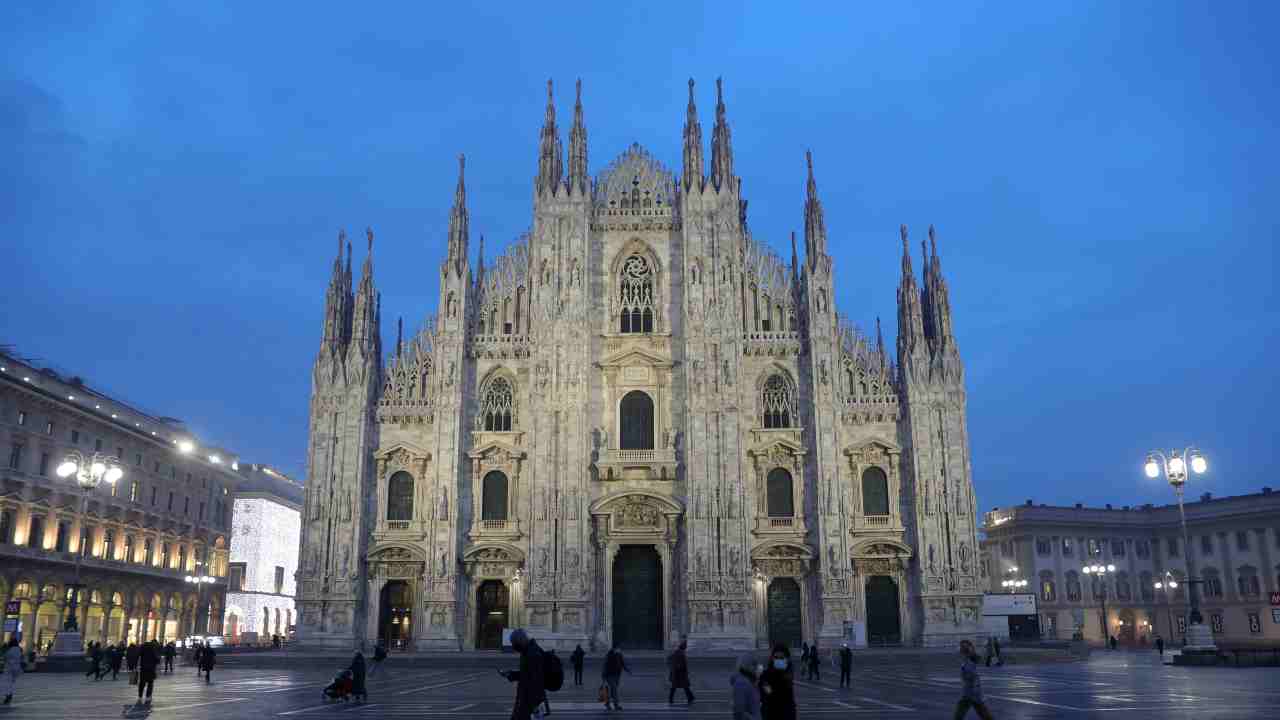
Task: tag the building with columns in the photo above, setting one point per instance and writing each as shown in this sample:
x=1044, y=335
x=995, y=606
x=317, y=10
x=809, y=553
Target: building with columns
x=137, y=539
x=636, y=424
x=266, y=523
x=1235, y=550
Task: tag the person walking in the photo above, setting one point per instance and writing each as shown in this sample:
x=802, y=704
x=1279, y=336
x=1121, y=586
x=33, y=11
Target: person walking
x=746, y=696
x=148, y=663
x=678, y=665
x=116, y=657
x=814, y=666
x=207, y=660
x=614, y=664
x=530, y=680
x=575, y=659
x=379, y=655
x=12, y=668
x=358, y=689
x=846, y=666
x=95, y=661
x=1113, y=642
x=804, y=661
x=777, y=692
x=131, y=657
x=1160, y=645
x=170, y=650
x=971, y=692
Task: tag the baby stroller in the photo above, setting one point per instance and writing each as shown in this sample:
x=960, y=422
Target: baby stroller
x=340, y=688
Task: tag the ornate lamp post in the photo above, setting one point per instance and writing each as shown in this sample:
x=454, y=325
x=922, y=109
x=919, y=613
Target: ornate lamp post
x=1164, y=586
x=89, y=474
x=1175, y=467
x=1099, y=574
x=199, y=581
x=1012, y=583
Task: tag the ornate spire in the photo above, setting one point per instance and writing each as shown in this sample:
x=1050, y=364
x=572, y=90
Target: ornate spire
x=399, y=330
x=926, y=292
x=795, y=261
x=459, y=223
x=364, y=327
x=815, y=227
x=578, y=147
x=550, y=152
x=910, y=322
x=335, y=300
x=480, y=261
x=693, y=177
x=721, y=146
x=880, y=344
x=939, y=307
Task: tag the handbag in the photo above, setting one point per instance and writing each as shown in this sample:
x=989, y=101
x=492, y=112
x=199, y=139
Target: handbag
x=603, y=695
x=133, y=677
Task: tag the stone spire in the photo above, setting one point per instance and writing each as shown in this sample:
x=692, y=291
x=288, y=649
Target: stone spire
x=364, y=328
x=399, y=330
x=550, y=152
x=480, y=262
x=336, y=304
x=939, y=307
x=926, y=293
x=880, y=344
x=693, y=177
x=815, y=227
x=721, y=146
x=795, y=261
x=459, y=224
x=910, y=322
x=578, y=180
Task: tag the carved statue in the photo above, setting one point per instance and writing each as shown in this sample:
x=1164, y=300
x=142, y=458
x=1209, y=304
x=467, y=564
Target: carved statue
x=346, y=509
x=735, y=558
x=964, y=556
x=933, y=565
x=443, y=512
x=444, y=564
x=700, y=564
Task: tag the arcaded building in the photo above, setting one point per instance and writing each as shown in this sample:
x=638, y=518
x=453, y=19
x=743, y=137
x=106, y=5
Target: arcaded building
x=636, y=424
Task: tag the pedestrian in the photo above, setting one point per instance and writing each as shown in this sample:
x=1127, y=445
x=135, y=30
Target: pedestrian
x=679, y=673
x=357, y=668
x=199, y=657
x=379, y=655
x=995, y=646
x=207, y=660
x=1113, y=642
x=12, y=668
x=777, y=692
x=814, y=670
x=117, y=657
x=575, y=659
x=530, y=680
x=614, y=664
x=1160, y=645
x=746, y=696
x=131, y=657
x=95, y=662
x=846, y=666
x=804, y=660
x=169, y=652
x=971, y=693
x=148, y=663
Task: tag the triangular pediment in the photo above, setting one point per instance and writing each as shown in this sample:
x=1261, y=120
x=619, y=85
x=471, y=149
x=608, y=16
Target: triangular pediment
x=873, y=445
x=777, y=446
x=882, y=547
x=494, y=447
x=402, y=446
x=633, y=357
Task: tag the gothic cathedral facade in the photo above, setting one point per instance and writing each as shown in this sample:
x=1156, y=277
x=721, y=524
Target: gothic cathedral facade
x=638, y=425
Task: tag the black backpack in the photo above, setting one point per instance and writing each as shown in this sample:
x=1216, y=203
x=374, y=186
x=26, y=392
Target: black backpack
x=552, y=671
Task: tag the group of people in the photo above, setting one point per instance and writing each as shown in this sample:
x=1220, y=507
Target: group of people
x=109, y=659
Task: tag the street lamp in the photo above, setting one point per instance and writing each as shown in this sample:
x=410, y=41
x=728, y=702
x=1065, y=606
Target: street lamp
x=200, y=581
x=1099, y=574
x=1175, y=469
x=1164, y=586
x=1013, y=585
x=89, y=473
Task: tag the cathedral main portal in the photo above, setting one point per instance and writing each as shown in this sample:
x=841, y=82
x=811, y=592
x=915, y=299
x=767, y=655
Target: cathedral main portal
x=637, y=598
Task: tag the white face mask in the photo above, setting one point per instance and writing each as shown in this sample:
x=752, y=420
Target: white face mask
x=780, y=664
x=759, y=669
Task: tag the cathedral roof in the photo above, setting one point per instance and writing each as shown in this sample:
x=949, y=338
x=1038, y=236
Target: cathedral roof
x=635, y=169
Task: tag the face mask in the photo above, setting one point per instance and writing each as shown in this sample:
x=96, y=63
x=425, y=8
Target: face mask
x=780, y=664
x=759, y=669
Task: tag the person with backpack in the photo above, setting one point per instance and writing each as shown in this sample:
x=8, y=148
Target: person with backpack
x=576, y=661
x=846, y=665
x=530, y=679
x=552, y=677
x=614, y=664
x=678, y=665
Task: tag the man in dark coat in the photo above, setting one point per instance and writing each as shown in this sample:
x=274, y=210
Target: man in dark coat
x=148, y=663
x=95, y=662
x=531, y=689
x=679, y=669
x=576, y=659
x=207, y=660
x=846, y=665
x=131, y=656
x=169, y=652
x=777, y=694
x=116, y=653
x=358, y=668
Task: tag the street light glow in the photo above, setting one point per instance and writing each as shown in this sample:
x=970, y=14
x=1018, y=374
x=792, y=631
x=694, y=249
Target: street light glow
x=66, y=468
x=186, y=446
x=1152, y=468
x=1198, y=463
x=1177, y=466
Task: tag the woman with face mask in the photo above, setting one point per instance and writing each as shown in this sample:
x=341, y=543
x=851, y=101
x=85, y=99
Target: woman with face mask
x=777, y=694
x=746, y=698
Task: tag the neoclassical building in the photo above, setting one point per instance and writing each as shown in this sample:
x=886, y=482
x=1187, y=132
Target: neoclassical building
x=638, y=423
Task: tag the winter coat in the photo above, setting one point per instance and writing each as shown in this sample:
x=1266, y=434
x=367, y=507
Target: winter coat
x=531, y=685
x=131, y=656
x=148, y=658
x=971, y=683
x=13, y=660
x=576, y=658
x=357, y=674
x=779, y=703
x=207, y=659
x=746, y=697
x=614, y=664
x=679, y=663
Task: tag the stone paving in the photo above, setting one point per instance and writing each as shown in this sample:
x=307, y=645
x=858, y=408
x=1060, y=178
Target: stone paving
x=1108, y=685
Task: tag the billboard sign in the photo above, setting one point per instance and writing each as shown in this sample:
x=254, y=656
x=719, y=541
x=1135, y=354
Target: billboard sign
x=1010, y=604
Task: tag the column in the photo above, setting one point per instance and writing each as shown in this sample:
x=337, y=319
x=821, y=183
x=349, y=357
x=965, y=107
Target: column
x=106, y=622
x=1268, y=570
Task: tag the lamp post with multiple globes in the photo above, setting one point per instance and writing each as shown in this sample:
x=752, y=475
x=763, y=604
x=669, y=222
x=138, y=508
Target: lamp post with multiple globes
x=1099, y=574
x=200, y=581
x=1165, y=586
x=1176, y=466
x=89, y=473
x=1012, y=583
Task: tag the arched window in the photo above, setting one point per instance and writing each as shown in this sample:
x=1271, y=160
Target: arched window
x=1048, y=590
x=776, y=403
x=778, y=493
x=1247, y=581
x=765, y=324
x=506, y=316
x=497, y=409
x=875, y=492
x=635, y=296
x=636, y=426
x=493, y=497
x=400, y=496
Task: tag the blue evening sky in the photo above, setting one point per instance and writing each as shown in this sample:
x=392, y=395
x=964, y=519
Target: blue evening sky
x=1103, y=177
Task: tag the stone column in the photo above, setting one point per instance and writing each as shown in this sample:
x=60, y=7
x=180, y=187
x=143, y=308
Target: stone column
x=106, y=622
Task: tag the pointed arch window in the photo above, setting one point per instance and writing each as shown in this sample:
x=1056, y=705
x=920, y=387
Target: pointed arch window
x=497, y=408
x=635, y=296
x=400, y=497
x=778, y=492
x=776, y=402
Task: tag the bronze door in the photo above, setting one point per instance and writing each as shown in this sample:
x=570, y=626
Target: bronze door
x=492, y=613
x=883, y=626
x=637, y=598
x=785, y=624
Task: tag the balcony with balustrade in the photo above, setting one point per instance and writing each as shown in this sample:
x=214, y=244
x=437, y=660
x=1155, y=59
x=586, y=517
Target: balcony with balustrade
x=637, y=464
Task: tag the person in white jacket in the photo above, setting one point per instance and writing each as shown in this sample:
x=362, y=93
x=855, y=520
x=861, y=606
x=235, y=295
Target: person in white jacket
x=12, y=669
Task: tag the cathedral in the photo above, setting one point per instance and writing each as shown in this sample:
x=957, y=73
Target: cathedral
x=638, y=425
